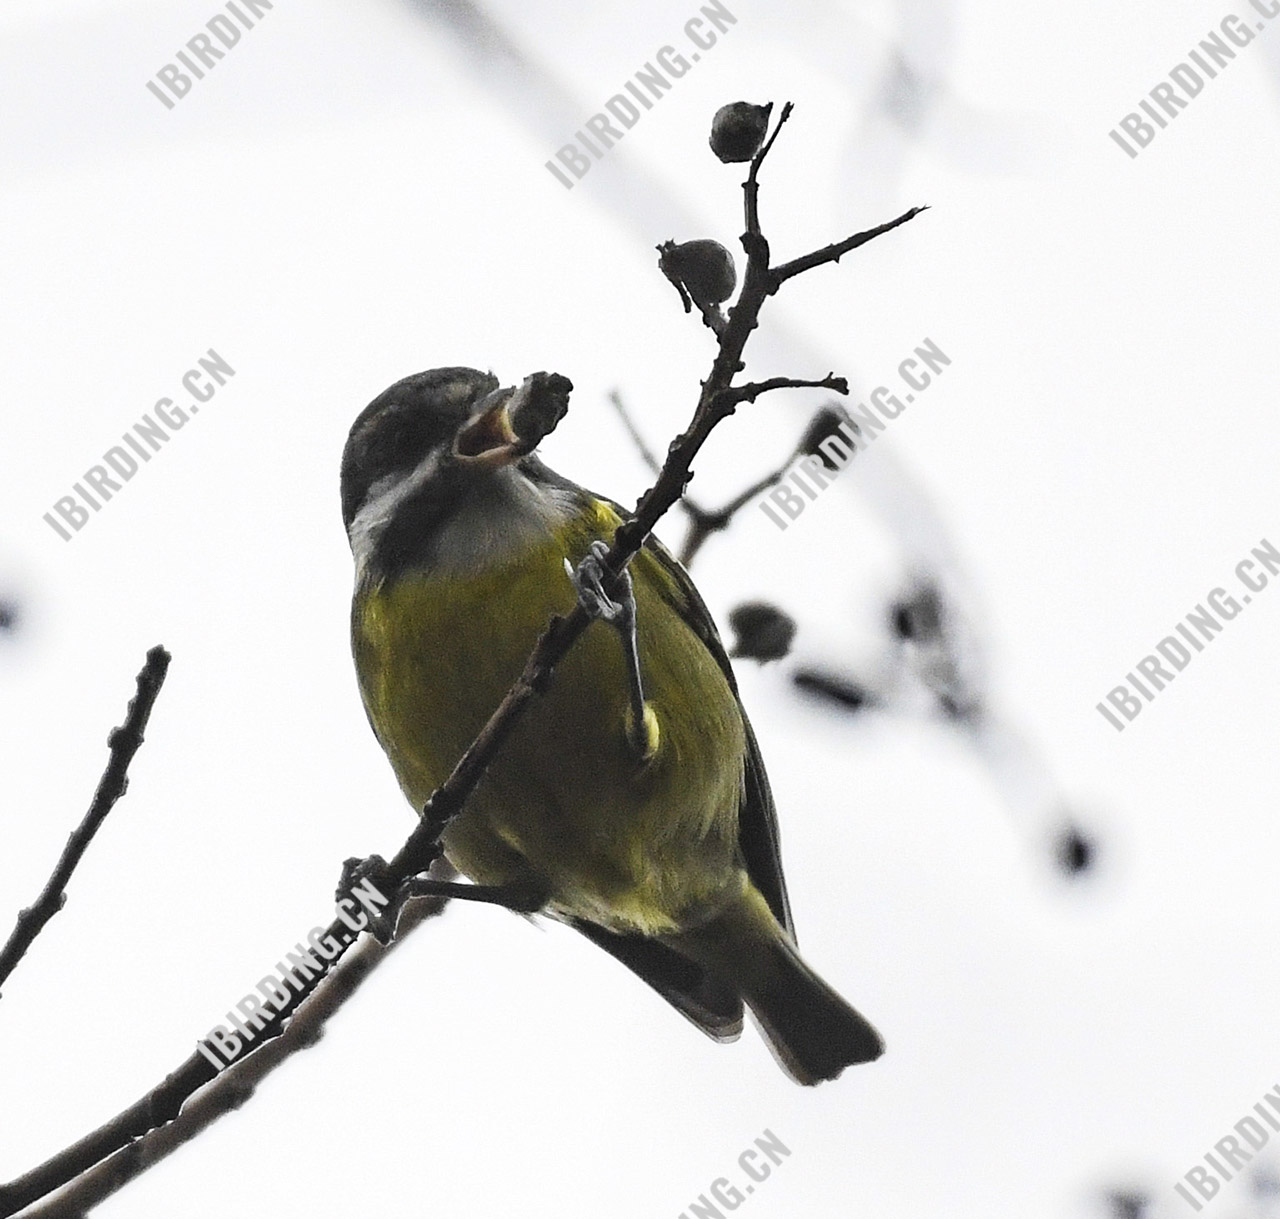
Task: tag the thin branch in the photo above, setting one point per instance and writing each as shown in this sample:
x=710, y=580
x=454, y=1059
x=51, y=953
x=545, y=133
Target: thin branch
x=422, y=848
x=833, y=253
x=753, y=389
x=123, y=742
x=704, y=522
x=164, y=1104
x=751, y=187
x=646, y=453
x=695, y=510
x=238, y=1082
x=740, y=501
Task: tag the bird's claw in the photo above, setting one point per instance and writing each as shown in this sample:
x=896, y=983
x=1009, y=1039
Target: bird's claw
x=588, y=581
x=373, y=868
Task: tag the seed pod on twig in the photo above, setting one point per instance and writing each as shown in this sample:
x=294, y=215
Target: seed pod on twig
x=738, y=130
x=702, y=270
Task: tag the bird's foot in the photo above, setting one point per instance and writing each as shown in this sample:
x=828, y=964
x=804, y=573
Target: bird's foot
x=522, y=897
x=588, y=579
x=361, y=873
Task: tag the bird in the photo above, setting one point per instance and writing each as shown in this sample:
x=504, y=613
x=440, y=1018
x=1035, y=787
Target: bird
x=630, y=801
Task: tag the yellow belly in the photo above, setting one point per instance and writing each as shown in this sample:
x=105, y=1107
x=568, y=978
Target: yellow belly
x=565, y=804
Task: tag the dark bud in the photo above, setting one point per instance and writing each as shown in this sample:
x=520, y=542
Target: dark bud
x=1129, y=1204
x=537, y=406
x=918, y=615
x=1074, y=851
x=763, y=631
x=738, y=130
x=701, y=270
x=1265, y=1183
x=8, y=616
x=824, y=425
x=831, y=688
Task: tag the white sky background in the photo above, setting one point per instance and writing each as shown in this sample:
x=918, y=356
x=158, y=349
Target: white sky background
x=342, y=203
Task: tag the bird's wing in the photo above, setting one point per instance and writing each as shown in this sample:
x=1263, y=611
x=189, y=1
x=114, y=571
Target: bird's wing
x=713, y=1005
x=757, y=817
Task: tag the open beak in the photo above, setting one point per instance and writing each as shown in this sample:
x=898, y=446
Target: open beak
x=487, y=439
x=510, y=423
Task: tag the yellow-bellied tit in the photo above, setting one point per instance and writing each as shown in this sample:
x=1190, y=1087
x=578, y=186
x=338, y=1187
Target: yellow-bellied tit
x=630, y=800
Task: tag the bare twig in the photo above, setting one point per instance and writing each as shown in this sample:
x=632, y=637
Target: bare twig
x=238, y=1082
x=703, y=522
x=751, y=189
x=752, y=390
x=642, y=446
x=123, y=743
x=833, y=253
x=422, y=848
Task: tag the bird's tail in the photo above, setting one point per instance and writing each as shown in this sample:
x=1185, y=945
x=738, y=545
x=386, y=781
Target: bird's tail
x=812, y=1031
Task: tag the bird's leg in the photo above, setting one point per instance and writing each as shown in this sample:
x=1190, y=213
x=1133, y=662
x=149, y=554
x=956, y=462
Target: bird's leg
x=522, y=897
x=588, y=580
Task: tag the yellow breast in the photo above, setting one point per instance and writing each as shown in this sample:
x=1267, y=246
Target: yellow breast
x=565, y=803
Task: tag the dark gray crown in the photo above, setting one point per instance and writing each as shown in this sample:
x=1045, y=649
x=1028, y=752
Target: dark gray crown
x=403, y=424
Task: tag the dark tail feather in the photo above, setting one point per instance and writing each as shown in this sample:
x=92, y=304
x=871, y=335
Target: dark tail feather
x=813, y=1033
x=713, y=1005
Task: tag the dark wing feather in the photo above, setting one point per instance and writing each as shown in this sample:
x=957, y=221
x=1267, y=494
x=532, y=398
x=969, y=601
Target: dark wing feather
x=714, y=1006
x=757, y=817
